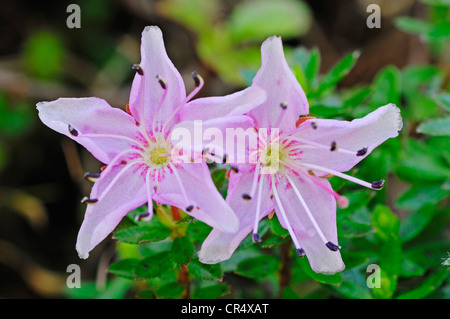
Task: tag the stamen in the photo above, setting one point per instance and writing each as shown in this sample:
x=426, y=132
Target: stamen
x=180, y=184
x=75, y=132
x=72, y=130
x=362, y=152
x=198, y=80
x=234, y=169
x=283, y=215
x=301, y=252
x=149, y=193
x=332, y=247
x=115, y=179
x=308, y=212
x=247, y=197
x=333, y=146
x=189, y=208
x=283, y=107
x=91, y=177
x=144, y=216
x=314, y=125
x=163, y=97
x=111, y=164
x=378, y=184
x=87, y=200
x=341, y=200
x=138, y=69
x=318, y=145
x=344, y=176
x=255, y=178
x=257, y=213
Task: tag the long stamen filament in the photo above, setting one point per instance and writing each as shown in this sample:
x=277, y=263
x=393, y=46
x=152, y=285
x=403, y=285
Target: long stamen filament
x=198, y=86
x=308, y=212
x=342, y=200
x=339, y=174
x=116, y=178
x=115, y=159
x=284, y=216
x=163, y=97
x=149, y=194
x=121, y=137
x=256, y=237
x=318, y=145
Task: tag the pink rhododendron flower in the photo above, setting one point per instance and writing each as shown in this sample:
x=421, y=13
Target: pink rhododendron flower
x=137, y=149
x=286, y=171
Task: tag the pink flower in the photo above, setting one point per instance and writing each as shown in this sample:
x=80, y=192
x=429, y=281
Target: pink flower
x=137, y=149
x=286, y=172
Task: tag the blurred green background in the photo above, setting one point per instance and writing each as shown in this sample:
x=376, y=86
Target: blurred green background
x=346, y=70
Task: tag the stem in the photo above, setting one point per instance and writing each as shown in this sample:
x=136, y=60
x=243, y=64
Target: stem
x=285, y=272
x=183, y=279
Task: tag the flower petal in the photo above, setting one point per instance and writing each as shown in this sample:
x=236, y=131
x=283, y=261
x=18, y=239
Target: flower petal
x=219, y=246
x=367, y=132
x=220, y=106
x=206, y=203
x=90, y=116
x=323, y=207
x=102, y=217
x=146, y=91
x=281, y=86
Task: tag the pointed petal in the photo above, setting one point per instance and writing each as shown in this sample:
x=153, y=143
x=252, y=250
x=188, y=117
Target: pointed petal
x=90, y=116
x=281, y=86
x=219, y=246
x=146, y=91
x=102, y=217
x=220, y=106
x=207, y=204
x=369, y=131
x=323, y=207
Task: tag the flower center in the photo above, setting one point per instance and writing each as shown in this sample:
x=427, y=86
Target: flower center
x=157, y=154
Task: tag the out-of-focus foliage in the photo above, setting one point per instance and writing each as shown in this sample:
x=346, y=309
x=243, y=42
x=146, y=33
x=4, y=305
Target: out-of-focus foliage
x=230, y=45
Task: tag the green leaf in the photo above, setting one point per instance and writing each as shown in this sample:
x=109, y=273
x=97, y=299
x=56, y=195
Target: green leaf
x=435, y=127
x=411, y=269
x=428, y=286
x=388, y=285
x=440, y=31
x=170, y=290
x=154, y=266
x=386, y=223
x=386, y=87
x=276, y=227
x=443, y=99
x=354, y=285
x=124, y=268
x=415, y=222
x=419, y=195
x=182, y=250
x=412, y=25
x=429, y=254
x=257, y=20
x=211, y=292
x=355, y=97
x=336, y=74
x=333, y=280
x=445, y=3
x=258, y=267
x=142, y=234
x=205, y=271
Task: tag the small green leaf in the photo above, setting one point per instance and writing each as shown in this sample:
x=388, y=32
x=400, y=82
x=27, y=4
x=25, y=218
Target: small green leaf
x=124, y=268
x=211, y=292
x=258, y=267
x=142, y=234
x=429, y=285
x=154, y=266
x=276, y=227
x=170, y=290
x=333, y=280
x=182, y=250
x=415, y=222
x=336, y=74
x=411, y=269
x=386, y=87
x=205, y=271
x=435, y=127
x=443, y=99
x=412, y=25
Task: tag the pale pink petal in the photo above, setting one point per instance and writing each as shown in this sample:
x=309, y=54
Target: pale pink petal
x=367, y=132
x=146, y=91
x=90, y=116
x=323, y=208
x=219, y=106
x=102, y=217
x=207, y=204
x=281, y=86
x=219, y=246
